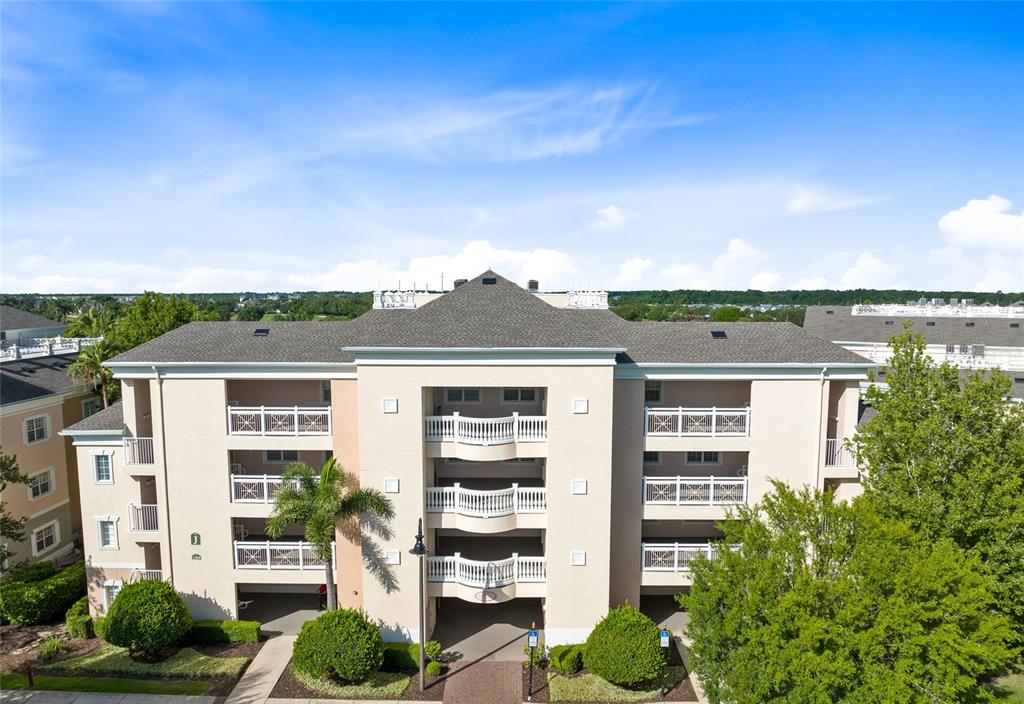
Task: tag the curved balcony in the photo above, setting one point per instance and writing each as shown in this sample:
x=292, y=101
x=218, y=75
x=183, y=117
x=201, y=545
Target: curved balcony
x=487, y=581
x=477, y=511
x=485, y=439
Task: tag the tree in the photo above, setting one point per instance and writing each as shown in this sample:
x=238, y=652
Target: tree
x=946, y=454
x=319, y=502
x=93, y=322
x=726, y=314
x=12, y=530
x=826, y=601
x=88, y=367
x=152, y=315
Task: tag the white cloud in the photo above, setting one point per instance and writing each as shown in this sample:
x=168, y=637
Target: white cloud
x=868, y=271
x=765, y=280
x=996, y=278
x=610, y=218
x=804, y=200
x=988, y=223
x=631, y=271
x=734, y=268
x=811, y=283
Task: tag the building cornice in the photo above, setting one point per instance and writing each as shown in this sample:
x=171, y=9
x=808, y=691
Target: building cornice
x=739, y=371
x=232, y=370
x=484, y=356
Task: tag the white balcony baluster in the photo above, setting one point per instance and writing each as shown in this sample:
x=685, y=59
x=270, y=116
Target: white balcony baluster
x=675, y=557
x=695, y=491
x=486, y=431
x=838, y=454
x=143, y=517
x=483, y=573
x=486, y=504
x=277, y=555
x=284, y=420
x=138, y=451
x=711, y=422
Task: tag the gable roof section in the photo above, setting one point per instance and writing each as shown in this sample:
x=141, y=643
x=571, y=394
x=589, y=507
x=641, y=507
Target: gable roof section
x=110, y=419
x=16, y=319
x=28, y=379
x=842, y=326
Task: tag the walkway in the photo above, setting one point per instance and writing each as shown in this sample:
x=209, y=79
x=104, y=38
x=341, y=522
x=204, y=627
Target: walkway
x=40, y=696
x=258, y=681
x=485, y=632
x=501, y=681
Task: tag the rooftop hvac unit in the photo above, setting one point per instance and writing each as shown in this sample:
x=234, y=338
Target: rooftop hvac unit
x=937, y=302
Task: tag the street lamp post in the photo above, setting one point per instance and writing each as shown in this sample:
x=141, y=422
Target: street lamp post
x=420, y=550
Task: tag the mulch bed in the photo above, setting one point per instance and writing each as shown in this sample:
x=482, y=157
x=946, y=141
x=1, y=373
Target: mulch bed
x=540, y=684
x=288, y=687
x=19, y=645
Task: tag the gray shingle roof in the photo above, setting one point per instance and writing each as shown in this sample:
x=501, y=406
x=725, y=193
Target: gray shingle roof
x=16, y=319
x=26, y=379
x=842, y=326
x=498, y=315
x=111, y=418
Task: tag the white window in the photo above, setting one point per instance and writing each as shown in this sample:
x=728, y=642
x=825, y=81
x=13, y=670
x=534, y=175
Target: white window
x=699, y=457
x=325, y=391
x=518, y=395
x=91, y=406
x=652, y=391
x=106, y=533
x=45, y=538
x=103, y=471
x=652, y=457
x=282, y=455
x=40, y=484
x=110, y=592
x=37, y=429
x=462, y=395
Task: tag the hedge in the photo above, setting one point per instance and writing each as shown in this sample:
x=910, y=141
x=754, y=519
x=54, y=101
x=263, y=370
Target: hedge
x=44, y=601
x=566, y=659
x=342, y=644
x=34, y=572
x=99, y=626
x=209, y=632
x=78, y=620
x=624, y=648
x=147, y=616
x=405, y=657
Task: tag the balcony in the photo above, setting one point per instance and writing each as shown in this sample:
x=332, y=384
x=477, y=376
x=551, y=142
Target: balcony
x=255, y=488
x=839, y=454
x=138, y=451
x=695, y=491
x=143, y=518
x=477, y=511
x=138, y=575
x=668, y=564
x=484, y=439
x=697, y=422
x=279, y=420
x=277, y=555
x=483, y=581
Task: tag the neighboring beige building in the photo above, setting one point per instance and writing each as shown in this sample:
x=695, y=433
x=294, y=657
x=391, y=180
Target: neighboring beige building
x=37, y=401
x=560, y=457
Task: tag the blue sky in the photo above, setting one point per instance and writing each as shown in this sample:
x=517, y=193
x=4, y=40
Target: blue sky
x=214, y=146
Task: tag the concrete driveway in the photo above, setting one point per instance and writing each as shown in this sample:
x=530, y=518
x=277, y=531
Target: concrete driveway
x=486, y=632
x=280, y=614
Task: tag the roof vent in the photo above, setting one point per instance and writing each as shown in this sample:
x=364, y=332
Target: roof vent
x=888, y=322
x=261, y=332
x=459, y=282
x=489, y=281
x=970, y=325
x=533, y=286
x=1014, y=325
x=830, y=312
x=930, y=323
x=718, y=334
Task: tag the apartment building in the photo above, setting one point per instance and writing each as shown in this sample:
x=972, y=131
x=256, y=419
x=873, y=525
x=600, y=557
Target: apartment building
x=560, y=457
x=958, y=332
x=37, y=401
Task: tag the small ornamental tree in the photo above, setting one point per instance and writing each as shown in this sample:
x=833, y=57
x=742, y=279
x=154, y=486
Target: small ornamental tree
x=624, y=648
x=147, y=616
x=342, y=644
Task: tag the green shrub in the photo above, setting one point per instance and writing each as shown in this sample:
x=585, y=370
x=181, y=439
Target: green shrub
x=208, y=632
x=566, y=659
x=146, y=616
x=405, y=657
x=434, y=651
x=50, y=648
x=342, y=644
x=34, y=572
x=78, y=620
x=540, y=655
x=624, y=648
x=44, y=601
x=433, y=668
x=99, y=627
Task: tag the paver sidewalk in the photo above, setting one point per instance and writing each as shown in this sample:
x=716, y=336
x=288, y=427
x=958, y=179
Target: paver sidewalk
x=258, y=681
x=487, y=681
x=42, y=696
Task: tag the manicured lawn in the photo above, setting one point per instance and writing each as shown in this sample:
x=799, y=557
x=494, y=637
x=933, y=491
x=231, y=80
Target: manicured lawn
x=1010, y=688
x=591, y=688
x=101, y=684
x=381, y=685
x=186, y=663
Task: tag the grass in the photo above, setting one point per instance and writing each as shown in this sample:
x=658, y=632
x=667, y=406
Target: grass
x=101, y=684
x=591, y=688
x=381, y=685
x=1009, y=688
x=187, y=663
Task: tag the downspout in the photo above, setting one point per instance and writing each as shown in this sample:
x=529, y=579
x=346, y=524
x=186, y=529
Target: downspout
x=821, y=430
x=167, y=495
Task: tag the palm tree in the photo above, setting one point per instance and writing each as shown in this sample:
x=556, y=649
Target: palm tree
x=93, y=322
x=320, y=502
x=88, y=368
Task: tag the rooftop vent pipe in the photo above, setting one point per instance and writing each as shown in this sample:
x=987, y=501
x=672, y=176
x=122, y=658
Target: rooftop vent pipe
x=532, y=286
x=459, y=282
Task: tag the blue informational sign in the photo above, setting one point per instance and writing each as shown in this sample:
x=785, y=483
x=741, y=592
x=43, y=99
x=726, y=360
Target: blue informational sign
x=665, y=636
x=532, y=639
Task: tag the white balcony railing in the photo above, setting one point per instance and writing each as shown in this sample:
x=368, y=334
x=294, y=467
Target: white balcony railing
x=484, y=573
x=486, y=431
x=44, y=347
x=255, y=488
x=713, y=422
x=277, y=555
x=147, y=574
x=283, y=420
x=143, y=517
x=838, y=454
x=695, y=491
x=675, y=557
x=486, y=504
x=138, y=451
